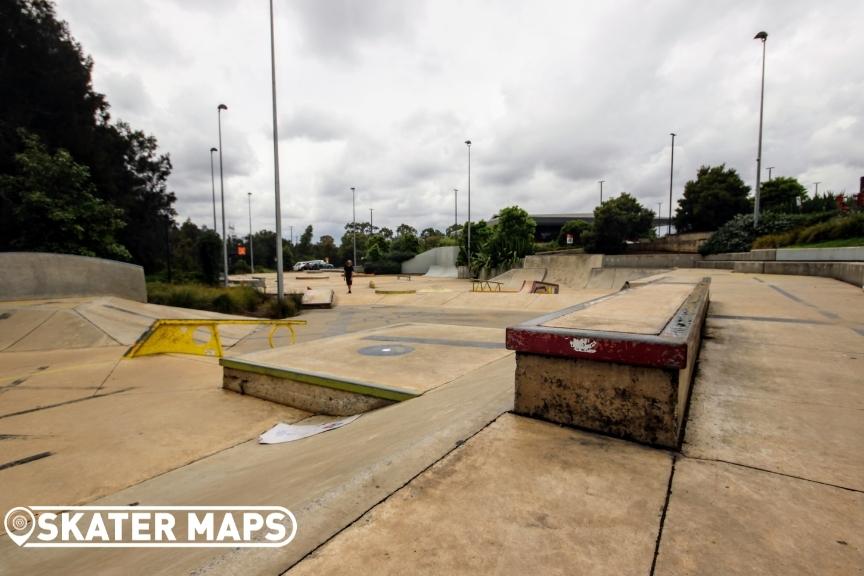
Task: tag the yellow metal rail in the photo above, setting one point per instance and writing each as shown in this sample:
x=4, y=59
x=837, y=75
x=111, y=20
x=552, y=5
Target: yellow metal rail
x=183, y=336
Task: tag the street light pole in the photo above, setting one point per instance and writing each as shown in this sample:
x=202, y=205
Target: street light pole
x=222, y=192
x=455, y=210
x=816, y=193
x=770, y=168
x=468, y=143
x=671, y=172
x=251, y=247
x=354, y=221
x=371, y=226
x=601, y=190
x=213, y=186
x=764, y=37
x=280, y=286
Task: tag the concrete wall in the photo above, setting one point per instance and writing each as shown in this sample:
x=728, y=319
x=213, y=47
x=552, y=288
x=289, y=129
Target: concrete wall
x=680, y=243
x=846, y=254
x=651, y=260
x=36, y=275
x=443, y=256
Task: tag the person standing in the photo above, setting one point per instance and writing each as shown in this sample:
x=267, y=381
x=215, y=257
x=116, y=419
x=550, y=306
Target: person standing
x=349, y=274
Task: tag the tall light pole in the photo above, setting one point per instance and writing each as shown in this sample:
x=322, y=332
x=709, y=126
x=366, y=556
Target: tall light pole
x=770, y=168
x=222, y=192
x=213, y=186
x=659, y=208
x=455, y=210
x=292, y=234
x=671, y=171
x=468, y=143
x=816, y=193
x=280, y=286
x=764, y=37
x=354, y=221
x=371, y=226
x=601, y=190
x=251, y=247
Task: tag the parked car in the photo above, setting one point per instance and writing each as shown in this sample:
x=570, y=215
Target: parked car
x=312, y=265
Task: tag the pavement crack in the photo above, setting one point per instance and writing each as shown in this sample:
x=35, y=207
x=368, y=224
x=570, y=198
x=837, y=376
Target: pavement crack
x=25, y=460
x=663, y=515
x=76, y=400
x=775, y=472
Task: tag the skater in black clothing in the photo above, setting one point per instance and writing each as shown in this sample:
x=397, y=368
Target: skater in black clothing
x=349, y=273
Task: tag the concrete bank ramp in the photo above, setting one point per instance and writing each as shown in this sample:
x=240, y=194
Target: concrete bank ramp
x=440, y=271
x=571, y=270
x=585, y=271
x=615, y=278
x=88, y=323
x=518, y=278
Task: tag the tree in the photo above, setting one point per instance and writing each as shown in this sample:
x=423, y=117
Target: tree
x=512, y=237
x=57, y=200
x=406, y=240
x=376, y=248
x=454, y=230
x=46, y=89
x=576, y=228
x=385, y=233
x=615, y=222
x=430, y=232
x=711, y=200
x=782, y=194
x=304, y=247
x=327, y=249
x=480, y=234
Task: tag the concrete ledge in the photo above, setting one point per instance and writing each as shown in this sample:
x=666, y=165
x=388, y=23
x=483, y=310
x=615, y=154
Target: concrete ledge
x=844, y=254
x=32, y=275
x=631, y=384
x=851, y=272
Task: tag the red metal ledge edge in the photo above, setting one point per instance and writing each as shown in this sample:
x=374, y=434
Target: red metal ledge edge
x=665, y=350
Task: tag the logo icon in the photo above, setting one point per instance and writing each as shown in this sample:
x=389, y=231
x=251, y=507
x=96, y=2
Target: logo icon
x=585, y=345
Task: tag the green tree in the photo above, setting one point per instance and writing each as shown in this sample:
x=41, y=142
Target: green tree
x=304, y=246
x=512, y=237
x=327, y=249
x=406, y=240
x=385, y=233
x=376, y=248
x=57, y=200
x=711, y=200
x=209, y=248
x=615, y=222
x=481, y=232
x=577, y=228
x=46, y=89
x=782, y=194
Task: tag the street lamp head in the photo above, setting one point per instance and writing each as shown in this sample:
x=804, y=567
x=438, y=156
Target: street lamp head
x=249, y=193
x=352, y=188
x=672, y=134
x=214, y=149
x=222, y=107
x=468, y=143
x=761, y=36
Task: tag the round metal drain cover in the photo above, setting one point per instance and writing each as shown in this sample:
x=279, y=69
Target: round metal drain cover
x=386, y=350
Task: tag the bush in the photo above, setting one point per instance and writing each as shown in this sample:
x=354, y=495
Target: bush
x=575, y=227
x=738, y=234
x=235, y=300
x=382, y=267
x=838, y=228
x=290, y=306
x=400, y=256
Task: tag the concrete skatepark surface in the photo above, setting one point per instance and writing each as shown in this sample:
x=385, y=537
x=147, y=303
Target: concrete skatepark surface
x=768, y=479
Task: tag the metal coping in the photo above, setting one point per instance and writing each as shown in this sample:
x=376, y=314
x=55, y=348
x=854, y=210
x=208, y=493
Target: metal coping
x=669, y=349
x=324, y=380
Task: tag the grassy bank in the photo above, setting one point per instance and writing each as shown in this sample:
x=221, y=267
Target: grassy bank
x=241, y=300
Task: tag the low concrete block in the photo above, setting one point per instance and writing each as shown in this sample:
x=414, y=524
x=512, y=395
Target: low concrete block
x=746, y=267
x=615, y=365
x=843, y=254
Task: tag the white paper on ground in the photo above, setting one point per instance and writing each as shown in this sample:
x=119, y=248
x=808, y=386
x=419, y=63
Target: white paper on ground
x=309, y=427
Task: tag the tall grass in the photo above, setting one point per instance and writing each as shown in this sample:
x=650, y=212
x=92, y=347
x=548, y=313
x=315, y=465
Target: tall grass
x=242, y=300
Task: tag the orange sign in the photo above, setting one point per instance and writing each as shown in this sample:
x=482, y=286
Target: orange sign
x=241, y=250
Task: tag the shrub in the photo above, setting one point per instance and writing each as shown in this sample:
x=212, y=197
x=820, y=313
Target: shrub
x=838, y=228
x=382, y=267
x=235, y=300
x=738, y=235
x=290, y=306
x=575, y=227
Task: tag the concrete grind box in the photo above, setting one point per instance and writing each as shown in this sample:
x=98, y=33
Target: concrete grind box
x=621, y=365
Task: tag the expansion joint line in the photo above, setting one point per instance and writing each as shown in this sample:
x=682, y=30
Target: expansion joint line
x=663, y=514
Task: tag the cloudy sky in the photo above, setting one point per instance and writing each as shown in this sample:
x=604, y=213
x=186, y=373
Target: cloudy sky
x=555, y=95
